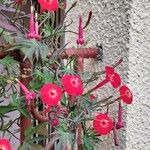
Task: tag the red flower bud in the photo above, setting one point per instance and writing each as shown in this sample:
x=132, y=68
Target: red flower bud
x=80, y=39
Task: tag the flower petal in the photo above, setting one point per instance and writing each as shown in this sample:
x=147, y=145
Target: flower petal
x=109, y=70
x=115, y=80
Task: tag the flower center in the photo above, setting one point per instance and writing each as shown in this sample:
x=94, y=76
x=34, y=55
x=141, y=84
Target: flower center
x=74, y=82
x=103, y=123
x=2, y=147
x=48, y=1
x=111, y=77
x=128, y=93
x=52, y=93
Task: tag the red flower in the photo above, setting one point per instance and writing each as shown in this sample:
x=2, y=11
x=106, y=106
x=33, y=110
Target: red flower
x=126, y=94
x=103, y=124
x=49, y=5
x=72, y=84
x=5, y=144
x=112, y=76
x=50, y=94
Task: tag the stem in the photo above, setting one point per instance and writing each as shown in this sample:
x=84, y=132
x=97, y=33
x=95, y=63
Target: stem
x=89, y=19
x=120, y=123
x=120, y=113
x=116, y=142
x=25, y=68
x=111, y=102
x=103, y=100
x=103, y=82
x=32, y=23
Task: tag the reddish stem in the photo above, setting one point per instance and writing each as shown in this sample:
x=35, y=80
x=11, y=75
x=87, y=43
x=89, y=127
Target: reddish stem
x=103, y=82
x=31, y=34
x=79, y=68
x=80, y=39
x=32, y=23
x=37, y=35
x=88, y=21
x=120, y=123
x=80, y=28
x=37, y=115
x=25, y=69
x=120, y=113
x=23, y=87
x=116, y=142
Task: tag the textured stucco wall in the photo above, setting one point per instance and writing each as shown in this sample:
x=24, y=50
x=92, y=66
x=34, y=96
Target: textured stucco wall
x=138, y=117
x=109, y=26
x=123, y=28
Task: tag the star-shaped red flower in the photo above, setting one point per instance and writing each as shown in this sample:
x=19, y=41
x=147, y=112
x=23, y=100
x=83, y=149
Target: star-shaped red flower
x=49, y=5
x=72, y=84
x=126, y=94
x=112, y=76
x=50, y=94
x=5, y=144
x=103, y=124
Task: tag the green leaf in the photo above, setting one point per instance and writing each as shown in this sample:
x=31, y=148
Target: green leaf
x=40, y=78
x=48, y=30
x=90, y=139
x=32, y=130
x=6, y=109
x=34, y=47
x=64, y=100
x=24, y=112
x=8, y=37
x=64, y=138
x=87, y=144
x=16, y=100
x=19, y=103
x=8, y=61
